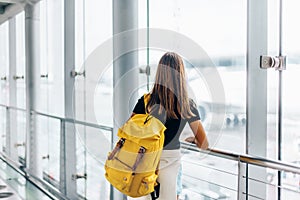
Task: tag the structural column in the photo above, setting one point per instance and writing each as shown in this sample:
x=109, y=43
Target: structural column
x=32, y=78
x=125, y=61
x=12, y=135
x=256, y=142
x=68, y=134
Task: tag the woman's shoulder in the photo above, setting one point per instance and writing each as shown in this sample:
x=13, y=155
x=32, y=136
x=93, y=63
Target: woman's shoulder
x=139, y=106
x=194, y=110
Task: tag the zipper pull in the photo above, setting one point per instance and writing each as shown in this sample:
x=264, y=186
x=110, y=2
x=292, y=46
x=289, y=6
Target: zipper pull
x=147, y=119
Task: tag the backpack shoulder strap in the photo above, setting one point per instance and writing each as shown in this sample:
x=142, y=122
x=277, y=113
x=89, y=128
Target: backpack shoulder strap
x=146, y=100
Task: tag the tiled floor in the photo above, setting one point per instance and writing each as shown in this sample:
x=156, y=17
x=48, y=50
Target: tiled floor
x=17, y=184
x=6, y=190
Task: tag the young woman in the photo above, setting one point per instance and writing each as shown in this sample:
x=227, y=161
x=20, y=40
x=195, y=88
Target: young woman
x=170, y=103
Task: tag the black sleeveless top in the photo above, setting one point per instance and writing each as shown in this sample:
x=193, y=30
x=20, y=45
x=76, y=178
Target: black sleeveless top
x=174, y=126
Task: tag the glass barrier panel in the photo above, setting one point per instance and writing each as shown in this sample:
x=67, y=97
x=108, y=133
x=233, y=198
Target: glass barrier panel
x=49, y=131
x=21, y=135
x=3, y=129
x=208, y=177
x=20, y=54
x=92, y=147
x=289, y=184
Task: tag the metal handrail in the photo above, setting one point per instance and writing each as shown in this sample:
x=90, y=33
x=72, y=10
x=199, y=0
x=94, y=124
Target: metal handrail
x=69, y=120
x=254, y=160
x=258, y=161
x=13, y=108
x=75, y=121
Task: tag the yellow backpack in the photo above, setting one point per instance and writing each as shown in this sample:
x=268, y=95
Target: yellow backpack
x=132, y=166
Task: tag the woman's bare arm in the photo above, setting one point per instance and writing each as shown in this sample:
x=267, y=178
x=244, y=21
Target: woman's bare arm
x=200, y=135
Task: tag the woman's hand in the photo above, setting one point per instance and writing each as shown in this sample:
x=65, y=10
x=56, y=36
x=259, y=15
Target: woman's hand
x=191, y=139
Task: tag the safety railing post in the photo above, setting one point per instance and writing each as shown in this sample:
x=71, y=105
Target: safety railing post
x=62, y=182
x=32, y=79
x=6, y=150
x=241, y=181
x=12, y=134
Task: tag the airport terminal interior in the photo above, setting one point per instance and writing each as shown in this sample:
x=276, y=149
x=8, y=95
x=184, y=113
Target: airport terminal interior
x=72, y=70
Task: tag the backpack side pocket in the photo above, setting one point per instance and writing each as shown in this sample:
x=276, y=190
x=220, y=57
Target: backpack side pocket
x=147, y=184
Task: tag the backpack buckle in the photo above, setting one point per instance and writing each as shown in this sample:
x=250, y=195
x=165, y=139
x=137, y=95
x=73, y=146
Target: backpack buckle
x=139, y=157
x=116, y=149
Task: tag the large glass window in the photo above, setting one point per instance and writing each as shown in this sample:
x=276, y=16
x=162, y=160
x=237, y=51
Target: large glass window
x=20, y=54
x=19, y=77
x=272, y=97
x=52, y=57
x=51, y=91
x=4, y=62
x=223, y=38
x=289, y=144
x=93, y=27
x=220, y=29
x=290, y=96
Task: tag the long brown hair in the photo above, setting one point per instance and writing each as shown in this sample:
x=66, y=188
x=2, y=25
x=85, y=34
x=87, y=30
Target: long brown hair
x=170, y=88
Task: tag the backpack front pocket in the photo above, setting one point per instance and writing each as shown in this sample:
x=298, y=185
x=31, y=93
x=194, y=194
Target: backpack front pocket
x=147, y=184
x=121, y=180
